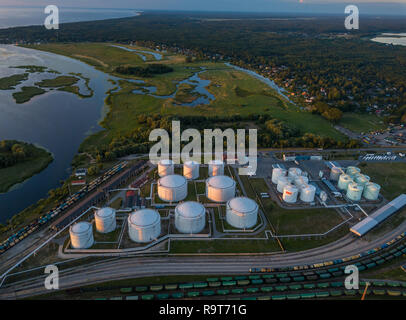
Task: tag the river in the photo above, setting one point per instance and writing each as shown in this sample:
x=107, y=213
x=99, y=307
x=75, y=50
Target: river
x=58, y=121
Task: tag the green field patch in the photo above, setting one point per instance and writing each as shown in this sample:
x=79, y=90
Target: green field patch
x=27, y=93
x=61, y=81
x=9, y=83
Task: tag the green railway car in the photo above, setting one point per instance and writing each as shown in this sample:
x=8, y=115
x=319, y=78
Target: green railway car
x=267, y=289
x=186, y=286
x=379, y=292
x=295, y=287
x=299, y=278
x=323, y=285
x=361, y=268
x=307, y=295
x=229, y=283
x=281, y=288
x=323, y=294
x=131, y=298
x=248, y=298
x=268, y=276
x=126, y=290
x=336, y=293
x=141, y=289
x=177, y=295
x=293, y=296
x=325, y=276
x=162, y=296
x=116, y=298
x=312, y=277
x=371, y=265
x=380, y=261
x=227, y=278
x=223, y=292
x=282, y=275
x=309, y=286
x=243, y=282
x=237, y=291
x=279, y=297
x=350, y=292
x=271, y=280
x=379, y=283
x=264, y=298
x=241, y=277
x=337, y=284
x=212, y=279
x=285, y=280
x=215, y=284
x=192, y=294
x=200, y=285
x=208, y=293
x=393, y=284
x=254, y=277
x=147, y=297
x=252, y=290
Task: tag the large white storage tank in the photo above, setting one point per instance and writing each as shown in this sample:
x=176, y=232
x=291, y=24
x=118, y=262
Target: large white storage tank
x=242, y=212
x=276, y=173
x=335, y=173
x=191, y=170
x=220, y=188
x=354, y=191
x=282, y=182
x=290, y=194
x=307, y=193
x=190, y=217
x=301, y=181
x=344, y=181
x=144, y=225
x=165, y=167
x=362, y=179
x=371, y=191
x=216, y=168
x=352, y=171
x=81, y=235
x=294, y=172
x=172, y=188
x=105, y=220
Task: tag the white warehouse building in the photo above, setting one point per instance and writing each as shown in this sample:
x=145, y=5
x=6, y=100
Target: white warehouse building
x=190, y=217
x=220, y=188
x=242, y=212
x=165, y=167
x=144, y=225
x=81, y=235
x=105, y=220
x=216, y=168
x=172, y=188
x=191, y=170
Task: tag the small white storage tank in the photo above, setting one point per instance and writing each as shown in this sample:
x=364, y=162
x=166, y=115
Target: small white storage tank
x=191, y=170
x=81, y=235
x=362, y=179
x=190, y=217
x=282, y=182
x=354, y=191
x=371, y=191
x=242, y=212
x=105, y=220
x=276, y=173
x=172, y=188
x=144, y=225
x=294, y=172
x=216, y=168
x=335, y=173
x=307, y=193
x=352, y=171
x=290, y=194
x=165, y=167
x=344, y=181
x=220, y=188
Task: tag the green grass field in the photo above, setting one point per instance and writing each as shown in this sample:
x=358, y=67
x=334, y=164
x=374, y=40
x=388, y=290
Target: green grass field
x=8, y=83
x=361, y=122
x=27, y=93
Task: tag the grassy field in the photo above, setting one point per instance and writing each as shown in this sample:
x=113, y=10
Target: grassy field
x=8, y=83
x=21, y=171
x=61, y=81
x=361, y=122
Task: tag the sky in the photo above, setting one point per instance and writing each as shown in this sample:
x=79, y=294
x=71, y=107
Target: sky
x=304, y=6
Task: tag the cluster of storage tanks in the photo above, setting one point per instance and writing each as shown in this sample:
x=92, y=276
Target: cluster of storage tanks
x=190, y=216
x=355, y=184
x=293, y=184
x=81, y=233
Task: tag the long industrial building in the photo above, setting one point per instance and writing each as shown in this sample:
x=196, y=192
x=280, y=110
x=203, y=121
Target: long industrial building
x=379, y=215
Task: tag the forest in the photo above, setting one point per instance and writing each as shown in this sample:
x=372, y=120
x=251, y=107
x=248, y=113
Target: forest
x=13, y=152
x=147, y=71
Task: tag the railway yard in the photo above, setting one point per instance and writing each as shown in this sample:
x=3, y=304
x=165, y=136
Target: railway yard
x=286, y=232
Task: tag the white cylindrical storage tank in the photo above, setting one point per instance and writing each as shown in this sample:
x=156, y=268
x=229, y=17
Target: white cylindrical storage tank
x=344, y=181
x=216, y=168
x=190, y=217
x=300, y=181
x=144, y=225
x=290, y=194
x=165, y=167
x=307, y=193
x=362, y=179
x=354, y=191
x=220, y=188
x=105, y=220
x=242, y=212
x=172, y=188
x=282, y=182
x=335, y=173
x=371, y=191
x=81, y=235
x=191, y=170
x=294, y=172
x=352, y=171
x=276, y=173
